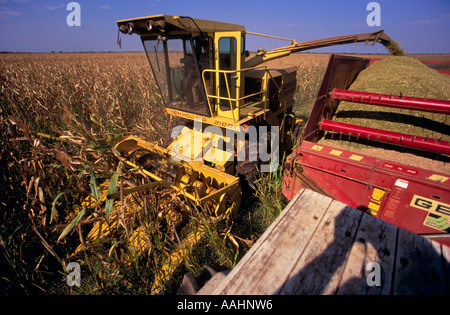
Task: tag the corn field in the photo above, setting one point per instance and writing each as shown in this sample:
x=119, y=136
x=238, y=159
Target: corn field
x=83, y=102
x=59, y=117
x=311, y=68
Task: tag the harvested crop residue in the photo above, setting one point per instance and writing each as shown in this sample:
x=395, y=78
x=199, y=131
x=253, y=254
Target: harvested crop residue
x=398, y=76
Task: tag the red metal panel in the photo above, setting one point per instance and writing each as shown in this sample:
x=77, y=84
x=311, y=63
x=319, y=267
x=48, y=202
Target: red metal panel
x=413, y=103
x=340, y=73
x=402, y=139
x=415, y=199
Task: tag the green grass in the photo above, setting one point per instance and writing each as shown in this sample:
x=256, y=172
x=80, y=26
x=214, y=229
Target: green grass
x=270, y=200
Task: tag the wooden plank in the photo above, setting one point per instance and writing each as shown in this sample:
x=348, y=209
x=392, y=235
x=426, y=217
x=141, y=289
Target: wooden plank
x=419, y=266
x=321, y=246
x=446, y=263
x=318, y=270
x=249, y=256
x=375, y=242
x=222, y=288
x=268, y=266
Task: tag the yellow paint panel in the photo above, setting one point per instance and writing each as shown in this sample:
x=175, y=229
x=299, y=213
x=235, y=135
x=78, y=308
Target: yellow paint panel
x=438, y=178
x=373, y=208
x=317, y=147
x=336, y=152
x=375, y=201
x=377, y=194
x=356, y=157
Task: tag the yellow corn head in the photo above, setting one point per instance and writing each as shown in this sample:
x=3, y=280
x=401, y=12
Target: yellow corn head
x=181, y=189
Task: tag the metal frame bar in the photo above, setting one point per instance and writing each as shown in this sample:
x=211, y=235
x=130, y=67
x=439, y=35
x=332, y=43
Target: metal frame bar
x=406, y=102
x=229, y=98
x=401, y=139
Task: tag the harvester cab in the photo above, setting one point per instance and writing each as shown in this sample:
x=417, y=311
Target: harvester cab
x=179, y=50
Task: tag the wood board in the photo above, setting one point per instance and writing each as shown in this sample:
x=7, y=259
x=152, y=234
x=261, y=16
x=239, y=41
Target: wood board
x=318, y=245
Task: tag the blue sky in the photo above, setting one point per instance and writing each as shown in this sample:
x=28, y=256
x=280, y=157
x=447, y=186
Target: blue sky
x=40, y=26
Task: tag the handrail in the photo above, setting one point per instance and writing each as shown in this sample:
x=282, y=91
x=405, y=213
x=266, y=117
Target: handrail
x=229, y=98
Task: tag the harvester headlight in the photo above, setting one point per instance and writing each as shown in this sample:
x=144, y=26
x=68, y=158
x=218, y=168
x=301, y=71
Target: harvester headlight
x=123, y=29
x=161, y=25
x=150, y=25
x=130, y=28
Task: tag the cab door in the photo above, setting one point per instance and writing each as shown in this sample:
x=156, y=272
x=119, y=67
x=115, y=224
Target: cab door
x=229, y=84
